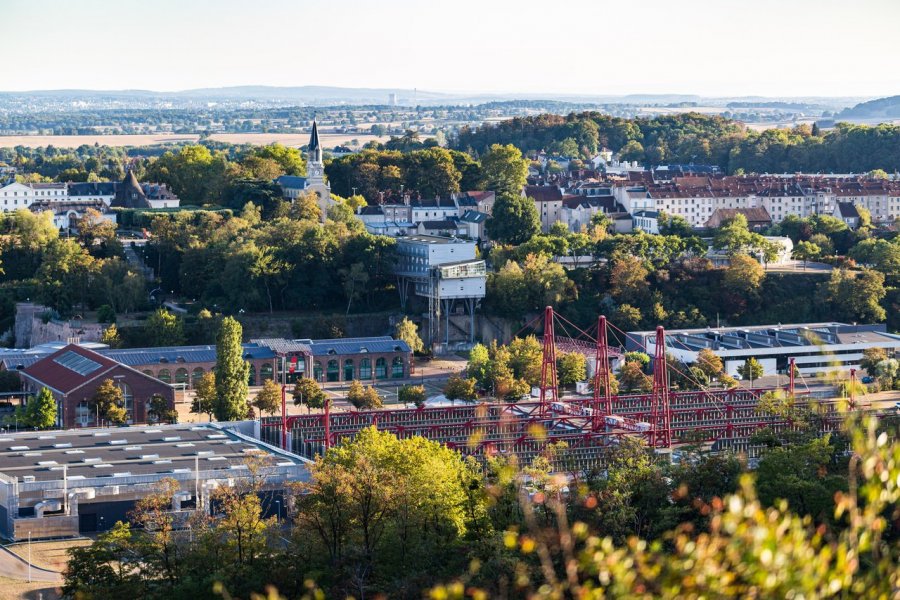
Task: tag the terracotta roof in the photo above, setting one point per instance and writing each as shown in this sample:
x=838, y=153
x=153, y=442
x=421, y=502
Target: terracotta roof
x=69, y=368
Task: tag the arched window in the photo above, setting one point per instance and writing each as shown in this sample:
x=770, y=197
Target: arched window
x=334, y=370
x=196, y=376
x=251, y=377
x=148, y=372
x=397, y=367
x=381, y=368
x=266, y=372
x=164, y=376
x=348, y=370
x=365, y=369
x=317, y=371
x=181, y=376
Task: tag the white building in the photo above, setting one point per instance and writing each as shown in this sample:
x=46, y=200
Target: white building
x=815, y=347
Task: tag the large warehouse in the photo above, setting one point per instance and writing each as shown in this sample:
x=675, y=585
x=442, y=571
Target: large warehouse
x=815, y=347
x=66, y=483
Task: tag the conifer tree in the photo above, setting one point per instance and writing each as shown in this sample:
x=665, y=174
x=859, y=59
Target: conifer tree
x=232, y=372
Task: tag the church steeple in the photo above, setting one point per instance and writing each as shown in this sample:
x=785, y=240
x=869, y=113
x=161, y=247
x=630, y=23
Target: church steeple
x=314, y=150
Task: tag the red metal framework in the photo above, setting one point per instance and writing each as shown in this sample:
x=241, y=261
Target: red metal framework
x=663, y=416
x=602, y=401
x=660, y=409
x=549, y=381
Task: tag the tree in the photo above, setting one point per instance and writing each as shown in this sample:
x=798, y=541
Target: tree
x=40, y=412
x=108, y=402
x=633, y=379
x=232, y=373
x=855, y=296
x=459, y=388
x=479, y=365
x=514, y=219
x=871, y=357
x=372, y=399
x=710, y=363
x=412, y=394
x=159, y=410
x=751, y=369
x=628, y=279
x=571, y=367
x=408, y=332
x=504, y=170
x=162, y=328
x=524, y=357
x=744, y=275
x=268, y=399
x=806, y=251
x=103, y=569
x=204, y=401
x=307, y=391
x=110, y=336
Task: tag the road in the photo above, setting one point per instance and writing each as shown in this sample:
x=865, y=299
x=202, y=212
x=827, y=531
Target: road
x=17, y=568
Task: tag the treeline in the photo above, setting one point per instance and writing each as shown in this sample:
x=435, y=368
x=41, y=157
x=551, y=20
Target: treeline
x=408, y=518
x=288, y=261
x=696, y=138
x=642, y=280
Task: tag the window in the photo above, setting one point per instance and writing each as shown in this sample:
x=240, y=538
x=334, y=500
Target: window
x=196, y=375
x=397, y=367
x=165, y=376
x=348, y=370
x=365, y=369
x=251, y=377
x=266, y=372
x=128, y=397
x=381, y=369
x=334, y=371
x=181, y=376
x=317, y=371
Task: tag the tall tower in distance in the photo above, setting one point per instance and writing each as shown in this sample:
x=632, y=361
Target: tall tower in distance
x=315, y=169
x=315, y=172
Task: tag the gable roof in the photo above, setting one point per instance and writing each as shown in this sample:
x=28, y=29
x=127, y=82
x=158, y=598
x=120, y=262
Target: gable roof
x=69, y=368
x=848, y=210
x=292, y=182
x=543, y=193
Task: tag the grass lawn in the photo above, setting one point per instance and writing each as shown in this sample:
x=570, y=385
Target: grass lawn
x=48, y=555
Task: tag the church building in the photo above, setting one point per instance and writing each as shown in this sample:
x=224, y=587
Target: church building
x=293, y=186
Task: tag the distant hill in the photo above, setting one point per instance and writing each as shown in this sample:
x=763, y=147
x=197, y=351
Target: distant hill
x=882, y=108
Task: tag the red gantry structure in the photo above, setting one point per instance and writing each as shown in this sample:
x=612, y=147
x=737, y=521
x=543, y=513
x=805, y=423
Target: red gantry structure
x=585, y=424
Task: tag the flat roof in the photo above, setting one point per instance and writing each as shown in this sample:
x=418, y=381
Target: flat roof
x=774, y=336
x=433, y=239
x=125, y=451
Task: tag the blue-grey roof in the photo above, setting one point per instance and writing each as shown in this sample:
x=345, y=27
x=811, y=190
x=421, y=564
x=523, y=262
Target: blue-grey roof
x=473, y=216
x=179, y=354
x=22, y=361
x=382, y=344
x=292, y=182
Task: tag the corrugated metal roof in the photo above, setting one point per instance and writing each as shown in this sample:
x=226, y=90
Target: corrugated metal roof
x=180, y=354
x=381, y=344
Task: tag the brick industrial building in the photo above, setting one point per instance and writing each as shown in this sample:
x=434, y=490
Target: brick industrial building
x=73, y=374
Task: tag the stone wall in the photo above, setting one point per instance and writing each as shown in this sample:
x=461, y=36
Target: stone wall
x=31, y=330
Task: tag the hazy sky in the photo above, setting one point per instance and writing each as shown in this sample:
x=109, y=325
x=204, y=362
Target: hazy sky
x=709, y=47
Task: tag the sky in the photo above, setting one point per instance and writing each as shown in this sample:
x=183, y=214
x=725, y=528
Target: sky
x=706, y=47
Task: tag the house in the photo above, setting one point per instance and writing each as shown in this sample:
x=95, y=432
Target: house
x=131, y=194
x=472, y=221
x=73, y=374
x=847, y=212
x=758, y=219
x=647, y=221
x=482, y=201
x=548, y=199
